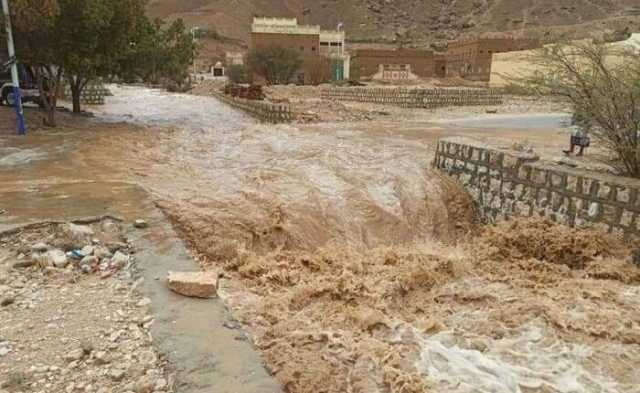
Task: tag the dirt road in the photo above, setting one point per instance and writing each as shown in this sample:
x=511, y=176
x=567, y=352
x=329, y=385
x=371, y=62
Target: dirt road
x=353, y=265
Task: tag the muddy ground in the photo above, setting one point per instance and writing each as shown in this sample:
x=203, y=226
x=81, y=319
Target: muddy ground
x=353, y=266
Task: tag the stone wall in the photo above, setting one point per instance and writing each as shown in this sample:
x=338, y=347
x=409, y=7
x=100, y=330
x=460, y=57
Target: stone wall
x=93, y=94
x=262, y=110
x=414, y=98
x=508, y=184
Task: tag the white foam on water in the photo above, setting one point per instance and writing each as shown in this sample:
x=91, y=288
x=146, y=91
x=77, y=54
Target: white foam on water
x=509, y=365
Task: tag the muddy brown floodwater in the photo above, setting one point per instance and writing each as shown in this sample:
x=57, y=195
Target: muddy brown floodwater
x=357, y=268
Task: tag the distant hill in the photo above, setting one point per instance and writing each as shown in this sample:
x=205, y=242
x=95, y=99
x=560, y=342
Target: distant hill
x=418, y=23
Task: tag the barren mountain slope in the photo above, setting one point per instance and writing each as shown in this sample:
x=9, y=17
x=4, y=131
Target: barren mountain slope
x=421, y=22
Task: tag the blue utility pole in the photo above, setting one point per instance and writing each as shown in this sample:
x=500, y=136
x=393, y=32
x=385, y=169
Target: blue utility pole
x=22, y=128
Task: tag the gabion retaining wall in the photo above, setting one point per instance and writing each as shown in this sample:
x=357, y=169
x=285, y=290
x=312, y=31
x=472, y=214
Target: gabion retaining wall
x=93, y=94
x=507, y=185
x=415, y=98
x=264, y=111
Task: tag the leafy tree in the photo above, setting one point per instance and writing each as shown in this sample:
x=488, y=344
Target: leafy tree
x=238, y=73
x=602, y=82
x=82, y=40
x=158, y=52
x=277, y=65
x=93, y=36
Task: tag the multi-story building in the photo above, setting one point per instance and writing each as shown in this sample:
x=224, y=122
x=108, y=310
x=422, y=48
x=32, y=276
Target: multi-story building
x=312, y=42
x=471, y=58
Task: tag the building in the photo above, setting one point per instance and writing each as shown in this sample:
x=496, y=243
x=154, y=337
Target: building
x=386, y=64
x=472, y=58
x=512, y=65
x=313, y=43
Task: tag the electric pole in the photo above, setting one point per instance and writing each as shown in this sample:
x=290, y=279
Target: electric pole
x=22, y=129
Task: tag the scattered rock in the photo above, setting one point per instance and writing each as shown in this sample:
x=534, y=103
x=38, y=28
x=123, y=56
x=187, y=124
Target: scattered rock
x=24, y=264
x=116, y=246
x=194, y=284
x=144, y=385
x=89, y=260
x=101, y=357
x=161, y=384
x=116, y=374
x=102, y=252
x=140, y=224
x=40, y=247
x=75, y=236
x=74, y=355
x=58, y=258
x=119, y=260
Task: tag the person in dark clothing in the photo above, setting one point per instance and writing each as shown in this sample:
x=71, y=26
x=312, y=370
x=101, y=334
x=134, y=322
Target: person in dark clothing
x=579, y=134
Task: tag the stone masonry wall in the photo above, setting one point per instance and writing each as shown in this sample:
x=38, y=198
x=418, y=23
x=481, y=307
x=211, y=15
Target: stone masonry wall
x=508, y=184
x=415, y=98
x=262, y=110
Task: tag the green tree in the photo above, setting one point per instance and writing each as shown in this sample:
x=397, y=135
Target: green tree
x=94, y=36
x=238, y=73
x=275, y=64
x=159, y=53
x=82, y=40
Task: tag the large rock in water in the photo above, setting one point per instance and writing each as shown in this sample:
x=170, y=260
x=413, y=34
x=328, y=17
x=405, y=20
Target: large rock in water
x=194, y=284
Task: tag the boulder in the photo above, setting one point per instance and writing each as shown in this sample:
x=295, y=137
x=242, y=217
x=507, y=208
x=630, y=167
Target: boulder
x=194, y=284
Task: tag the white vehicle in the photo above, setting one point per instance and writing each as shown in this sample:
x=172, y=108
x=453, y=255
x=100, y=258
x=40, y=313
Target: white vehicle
x=28, y=87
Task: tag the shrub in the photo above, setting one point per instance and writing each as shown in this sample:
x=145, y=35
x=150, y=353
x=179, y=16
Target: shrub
x=602, y=82
x=275, y=64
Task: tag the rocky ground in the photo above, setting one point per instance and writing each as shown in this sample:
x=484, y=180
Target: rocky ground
x=72, y=319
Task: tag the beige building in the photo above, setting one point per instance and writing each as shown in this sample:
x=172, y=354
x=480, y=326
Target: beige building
x=507, y=66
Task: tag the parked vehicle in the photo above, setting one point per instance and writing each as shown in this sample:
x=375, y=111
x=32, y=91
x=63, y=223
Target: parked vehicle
x=28, y=86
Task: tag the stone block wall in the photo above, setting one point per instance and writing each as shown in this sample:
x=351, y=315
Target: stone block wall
x=415, y=98
x=509, y=184
x=262, y=110
x=93, y=94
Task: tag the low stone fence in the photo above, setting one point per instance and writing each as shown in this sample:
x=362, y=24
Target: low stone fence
x=262, y=110
x=414, y=98
x=93, y=94
x=508, y=184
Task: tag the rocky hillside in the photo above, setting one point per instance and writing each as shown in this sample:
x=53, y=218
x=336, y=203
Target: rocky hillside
x=418, y=23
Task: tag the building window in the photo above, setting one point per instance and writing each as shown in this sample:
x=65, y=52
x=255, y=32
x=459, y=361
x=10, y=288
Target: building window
x=336, y=44
x=324, y=44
